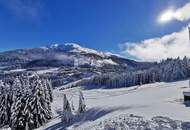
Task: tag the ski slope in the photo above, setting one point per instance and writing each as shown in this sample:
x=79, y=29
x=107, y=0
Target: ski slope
x=148, y=101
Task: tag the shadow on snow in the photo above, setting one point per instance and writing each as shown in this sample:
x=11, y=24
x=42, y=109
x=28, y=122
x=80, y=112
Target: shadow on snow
x=90, y=115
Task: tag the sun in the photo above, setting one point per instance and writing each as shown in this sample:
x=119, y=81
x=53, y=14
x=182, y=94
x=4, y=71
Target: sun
x=166, y=16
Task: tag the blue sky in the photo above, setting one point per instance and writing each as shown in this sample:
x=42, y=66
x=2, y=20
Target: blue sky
x=100, y=24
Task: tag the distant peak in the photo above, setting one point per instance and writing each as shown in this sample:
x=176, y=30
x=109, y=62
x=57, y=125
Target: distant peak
x=72, y=44
x=74, y=47
x=56, y=46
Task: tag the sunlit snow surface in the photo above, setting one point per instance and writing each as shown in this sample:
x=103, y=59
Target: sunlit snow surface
x=107, y=106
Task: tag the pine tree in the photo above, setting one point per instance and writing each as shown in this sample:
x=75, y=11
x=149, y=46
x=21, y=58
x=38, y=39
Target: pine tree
x=67, y=114
x=5, y=104
x=16, y=87
x=39, y=109
x=82, y=106
x=17, y=121
x=48, y=96
x=49, y=90
x=29, y=120
x=25, y=102
x=17, y=116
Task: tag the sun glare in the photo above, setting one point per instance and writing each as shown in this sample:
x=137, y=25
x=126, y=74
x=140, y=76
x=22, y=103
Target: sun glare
x=166, y=16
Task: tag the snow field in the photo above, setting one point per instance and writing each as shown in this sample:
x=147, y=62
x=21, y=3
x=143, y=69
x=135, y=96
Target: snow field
x=158, y=99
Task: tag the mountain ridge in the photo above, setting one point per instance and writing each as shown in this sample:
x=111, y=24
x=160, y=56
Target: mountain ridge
x=66, y=52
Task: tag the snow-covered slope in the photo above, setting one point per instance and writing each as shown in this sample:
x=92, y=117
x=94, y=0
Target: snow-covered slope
x=107, y=105
x=83, y=55
x=56, y=55
x=73, y=47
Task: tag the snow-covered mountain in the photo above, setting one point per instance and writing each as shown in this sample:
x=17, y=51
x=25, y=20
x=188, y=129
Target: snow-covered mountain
x=73, y=47
x=64, y=54
x=71, y=61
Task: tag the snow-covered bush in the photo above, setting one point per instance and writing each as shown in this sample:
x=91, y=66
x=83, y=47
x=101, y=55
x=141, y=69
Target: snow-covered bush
x=132, y=122
x=82, y=106
x=67, y=113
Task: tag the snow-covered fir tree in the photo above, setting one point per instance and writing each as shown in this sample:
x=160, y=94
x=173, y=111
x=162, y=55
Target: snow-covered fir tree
x=67, y=113
x=40, y=112
x=17, y=121
x=3, y=105
x=49, y=90
x=82, y=106
x=25, y=101
x=6, y=101
x=48, y=93
x=29, y=120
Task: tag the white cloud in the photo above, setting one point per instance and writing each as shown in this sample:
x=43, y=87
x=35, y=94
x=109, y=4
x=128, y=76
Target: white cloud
x=156, y=49
x=180, y=14
x=168, y=46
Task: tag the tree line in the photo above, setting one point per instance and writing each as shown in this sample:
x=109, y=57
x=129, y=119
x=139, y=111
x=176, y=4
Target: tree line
x=167, y=70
